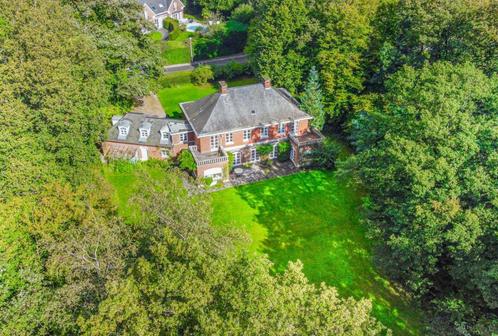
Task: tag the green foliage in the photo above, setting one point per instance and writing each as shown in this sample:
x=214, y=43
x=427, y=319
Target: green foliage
x=326, y=155
x=315, y=219
x=426, y=160
x=202, y=286
x=231, y=160
x=264, y=150
x=231, y=70
x=243, y=13
x=171, y=25
x=186, y=161
x=201, y=75
x=312, y=100
x=419, y=31
x=284, y=148
x=221, y=40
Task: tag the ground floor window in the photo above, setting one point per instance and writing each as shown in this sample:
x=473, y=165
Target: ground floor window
x=164, y=153
x=274, y=153
x=237, y=159
x=254, y=155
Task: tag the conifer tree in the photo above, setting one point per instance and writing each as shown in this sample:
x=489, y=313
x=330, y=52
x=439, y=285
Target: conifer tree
x=312, y=99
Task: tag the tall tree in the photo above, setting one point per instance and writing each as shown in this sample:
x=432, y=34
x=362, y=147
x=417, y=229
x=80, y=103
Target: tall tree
x=279, y=41
x=428, y=158
x=312, y=99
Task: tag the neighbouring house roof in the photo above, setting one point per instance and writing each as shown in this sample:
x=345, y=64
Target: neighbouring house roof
x=135, y=121
x=242, y=107
x=158, y=6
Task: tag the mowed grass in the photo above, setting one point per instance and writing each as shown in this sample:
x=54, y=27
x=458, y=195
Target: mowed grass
x=179, y=89
x=177, y=50
x=314, y=216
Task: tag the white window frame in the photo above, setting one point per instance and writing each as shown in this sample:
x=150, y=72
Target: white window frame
x=144, y=133
x=274, y=153
x=237, y=158
x=164, y=135
x=214, y=141
x=254, y=155
x=123, y=131
x=281, y=128
x=247, y=132
x=265, y=131
x=184, y=137
x=229, y=138
x=164, y=153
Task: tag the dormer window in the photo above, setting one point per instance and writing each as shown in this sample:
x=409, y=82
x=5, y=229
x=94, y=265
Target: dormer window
x=123, y=131
x=144, y=133
x=164, y=136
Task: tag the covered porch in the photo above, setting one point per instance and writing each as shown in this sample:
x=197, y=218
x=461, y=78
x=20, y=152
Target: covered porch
x=302, y=145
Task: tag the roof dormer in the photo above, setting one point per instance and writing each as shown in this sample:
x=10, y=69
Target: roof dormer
x=144, y=131
x=123, y=129
x=165, y=135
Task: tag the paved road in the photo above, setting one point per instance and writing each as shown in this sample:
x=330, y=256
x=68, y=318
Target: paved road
x=239, y=58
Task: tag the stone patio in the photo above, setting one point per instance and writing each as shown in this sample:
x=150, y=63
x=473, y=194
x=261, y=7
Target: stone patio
x=258, y=172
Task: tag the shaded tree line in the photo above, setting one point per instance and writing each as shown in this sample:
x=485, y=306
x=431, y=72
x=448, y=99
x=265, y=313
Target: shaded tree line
x=413, y=85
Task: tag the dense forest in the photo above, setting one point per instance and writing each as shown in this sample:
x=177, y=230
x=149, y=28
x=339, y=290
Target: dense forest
x=412, y=85
x=69, y=263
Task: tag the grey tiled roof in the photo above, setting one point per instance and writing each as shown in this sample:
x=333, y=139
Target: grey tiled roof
x=139, y=120
x=157, y=6
x=242, y=107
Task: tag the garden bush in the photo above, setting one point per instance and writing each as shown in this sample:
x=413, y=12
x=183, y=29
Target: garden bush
x=325, y=156
x=186, y=161
x=243, y=13
x=284, y=148
x=232, y=70
x=201, y=75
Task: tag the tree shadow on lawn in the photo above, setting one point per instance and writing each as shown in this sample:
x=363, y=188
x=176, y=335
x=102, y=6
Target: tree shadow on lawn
x=315, y=218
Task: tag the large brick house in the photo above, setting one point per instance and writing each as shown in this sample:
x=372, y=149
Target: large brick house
x=234, y=120
x=158, y=10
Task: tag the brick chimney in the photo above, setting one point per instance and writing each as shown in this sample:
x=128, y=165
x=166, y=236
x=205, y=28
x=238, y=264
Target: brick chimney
x=267, y=82
x=223, y=87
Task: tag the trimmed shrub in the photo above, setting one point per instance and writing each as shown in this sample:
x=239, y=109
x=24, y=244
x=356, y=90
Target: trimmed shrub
x=284, y=148
x=231, y=160
x=186, y=161
x=201, y=75
x=171, y=25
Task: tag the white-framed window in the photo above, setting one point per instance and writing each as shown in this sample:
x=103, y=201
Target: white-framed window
x=281, y=128
x=264, y=132
x=144, y=133
x=164, y=153
x=237, y=159
x=123, y=131
x=229, y=138
x=247, y=135
x=214, y=143
x=294, y=127
x=254, y=155
x=183, y=137
x=274, y=153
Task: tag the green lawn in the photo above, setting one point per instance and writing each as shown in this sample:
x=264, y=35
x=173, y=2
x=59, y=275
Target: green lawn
x=177, y=50
x=314, y=217
x=180, y=90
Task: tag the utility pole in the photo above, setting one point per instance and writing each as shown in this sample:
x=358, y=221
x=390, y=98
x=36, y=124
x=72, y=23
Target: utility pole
x=191, y=51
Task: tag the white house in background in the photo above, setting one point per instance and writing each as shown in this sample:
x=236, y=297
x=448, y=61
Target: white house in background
x=157, y=10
